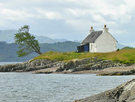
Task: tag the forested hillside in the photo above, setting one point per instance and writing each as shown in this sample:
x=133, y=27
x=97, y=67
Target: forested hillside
x=8, y=51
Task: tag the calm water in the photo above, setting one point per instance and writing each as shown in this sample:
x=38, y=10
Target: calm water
x=27, y=87
x=2, y=63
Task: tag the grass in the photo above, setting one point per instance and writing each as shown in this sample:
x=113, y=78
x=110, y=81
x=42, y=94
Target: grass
x=126, y=56
x=65, y=56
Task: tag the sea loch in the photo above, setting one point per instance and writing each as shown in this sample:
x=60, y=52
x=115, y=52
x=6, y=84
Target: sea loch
x=27, y=87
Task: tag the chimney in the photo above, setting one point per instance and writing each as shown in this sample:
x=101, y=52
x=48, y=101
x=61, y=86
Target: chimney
x=91, y=29
x=105, y=29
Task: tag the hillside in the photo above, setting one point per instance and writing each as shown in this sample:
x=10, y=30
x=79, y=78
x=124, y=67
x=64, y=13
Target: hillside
x=60, y=46
x=8, y=51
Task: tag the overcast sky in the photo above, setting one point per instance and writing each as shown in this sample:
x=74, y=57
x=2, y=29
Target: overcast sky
x=71, y=19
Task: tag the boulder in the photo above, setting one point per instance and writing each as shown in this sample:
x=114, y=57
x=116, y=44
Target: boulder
x=123, y=93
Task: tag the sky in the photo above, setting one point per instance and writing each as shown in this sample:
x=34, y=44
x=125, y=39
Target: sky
x=71, y=19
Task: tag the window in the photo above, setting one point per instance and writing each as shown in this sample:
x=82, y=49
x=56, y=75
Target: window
x=91, y=46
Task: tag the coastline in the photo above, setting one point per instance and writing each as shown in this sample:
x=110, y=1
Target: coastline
x=106, y=71
x=76, y=66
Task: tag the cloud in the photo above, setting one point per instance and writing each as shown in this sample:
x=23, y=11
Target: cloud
x=73, y=10
x=68, y=18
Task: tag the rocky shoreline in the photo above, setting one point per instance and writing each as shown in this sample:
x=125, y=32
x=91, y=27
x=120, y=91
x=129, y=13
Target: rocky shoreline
x=76, y=66
x=123, y=93
x=49, y=66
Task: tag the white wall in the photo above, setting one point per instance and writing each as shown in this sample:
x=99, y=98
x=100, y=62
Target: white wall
x=106, y=43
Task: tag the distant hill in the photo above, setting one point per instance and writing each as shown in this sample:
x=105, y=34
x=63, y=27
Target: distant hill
x=8, y=36
x=61, y=40
x=44, y=39
x=8, y=51
x=60, y=46
x=119, y=46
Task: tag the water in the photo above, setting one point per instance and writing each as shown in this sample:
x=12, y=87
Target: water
x=27, y=87
x=3, y=63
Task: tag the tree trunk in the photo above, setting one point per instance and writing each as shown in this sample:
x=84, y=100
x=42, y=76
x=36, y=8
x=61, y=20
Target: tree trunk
x=39, y=52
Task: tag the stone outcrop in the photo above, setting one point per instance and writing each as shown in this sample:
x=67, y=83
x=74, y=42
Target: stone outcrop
x=88, y=64
x=70, y=66
x=123, y=93
x=29, y=65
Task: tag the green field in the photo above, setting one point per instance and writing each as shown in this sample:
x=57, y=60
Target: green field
x=126, y=56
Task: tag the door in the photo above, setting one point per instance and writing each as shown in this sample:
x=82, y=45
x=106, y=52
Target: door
x=86, y=48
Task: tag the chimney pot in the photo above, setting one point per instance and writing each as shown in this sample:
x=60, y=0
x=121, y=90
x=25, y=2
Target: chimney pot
x=105, y=29
x=91, y=28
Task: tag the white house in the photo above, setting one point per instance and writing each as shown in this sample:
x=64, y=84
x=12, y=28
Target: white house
x=98, y=41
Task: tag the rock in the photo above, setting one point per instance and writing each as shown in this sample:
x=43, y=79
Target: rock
x=88, y=64
x=43, y=72
x=28, y=66
x=130, y=72
x=123, y=93
x=71, y=66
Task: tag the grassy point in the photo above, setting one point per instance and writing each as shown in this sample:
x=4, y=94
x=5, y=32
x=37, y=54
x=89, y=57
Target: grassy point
x=126, y=56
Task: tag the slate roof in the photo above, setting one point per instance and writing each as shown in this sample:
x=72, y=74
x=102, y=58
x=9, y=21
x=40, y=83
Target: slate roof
x=91, y=37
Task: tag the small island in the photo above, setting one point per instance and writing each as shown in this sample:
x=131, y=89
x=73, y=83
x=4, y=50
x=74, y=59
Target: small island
x=112, y=63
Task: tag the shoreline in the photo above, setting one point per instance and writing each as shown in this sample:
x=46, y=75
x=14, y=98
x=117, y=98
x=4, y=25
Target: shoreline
x=76, y=66
x=106, y=71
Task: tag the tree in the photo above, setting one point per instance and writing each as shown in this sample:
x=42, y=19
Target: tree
x=26, y=41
